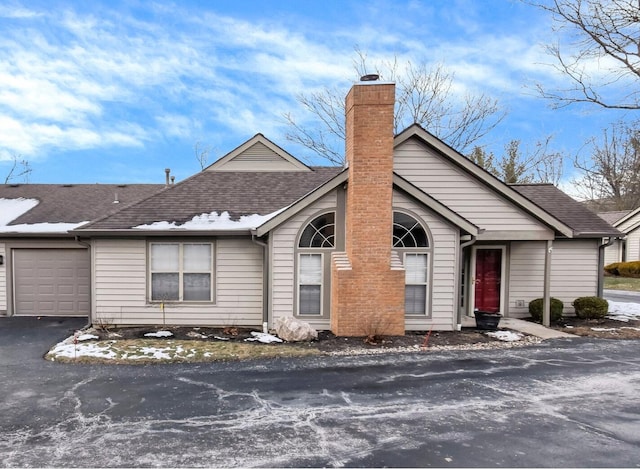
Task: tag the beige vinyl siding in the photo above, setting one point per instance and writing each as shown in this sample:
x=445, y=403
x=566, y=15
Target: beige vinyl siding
x=3, y=280
x=574, y=273
x=444, y=282
x=460, y=192
x=283, y=262
x=120, y=269
x=526, y=276
x=633, y=245
x=574, y=270
x=258, y=157
x=613, y=253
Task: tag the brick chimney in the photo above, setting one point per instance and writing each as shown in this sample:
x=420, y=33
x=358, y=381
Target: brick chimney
x=367, y=288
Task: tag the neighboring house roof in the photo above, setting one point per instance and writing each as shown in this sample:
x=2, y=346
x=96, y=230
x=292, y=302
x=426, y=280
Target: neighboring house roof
x=582, y=221
x=613, y=217
x=211, y=193
x=53, y=208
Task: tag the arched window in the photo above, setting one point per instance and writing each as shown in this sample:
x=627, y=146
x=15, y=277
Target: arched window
x=408, y=232
x=411, y=240
x=317, y=237
x=320, y=233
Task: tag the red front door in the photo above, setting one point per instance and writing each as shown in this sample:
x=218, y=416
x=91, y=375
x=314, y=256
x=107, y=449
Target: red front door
x=487, y=282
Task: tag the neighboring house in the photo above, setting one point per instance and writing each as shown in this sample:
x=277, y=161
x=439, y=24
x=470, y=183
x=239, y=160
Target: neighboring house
x=628, y=248
x=44, y=270
x=410, y=235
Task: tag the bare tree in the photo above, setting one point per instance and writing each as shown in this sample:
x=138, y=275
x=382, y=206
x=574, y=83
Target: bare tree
x=518, y=165
x=424, y=95
x=202, y=152
x=602, y=62
x=20, y=169
x=610, y=176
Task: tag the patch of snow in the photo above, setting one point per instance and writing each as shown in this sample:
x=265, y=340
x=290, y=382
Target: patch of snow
x=220, y=338
x=568, y=326
x=68, y=349
x=153, y=352
x=197, y=335
x=10, y=209
x=213, y=221
x=624, y=311
x=263, y=338
x=41, y=227
x=159, y=334
x=603, y=329
x=506, y=336
x=83, y=337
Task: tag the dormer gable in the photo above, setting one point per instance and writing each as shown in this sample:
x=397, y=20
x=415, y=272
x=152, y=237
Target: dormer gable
x=258, y=154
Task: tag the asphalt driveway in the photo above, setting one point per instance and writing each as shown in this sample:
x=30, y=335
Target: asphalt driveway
x=568, y=402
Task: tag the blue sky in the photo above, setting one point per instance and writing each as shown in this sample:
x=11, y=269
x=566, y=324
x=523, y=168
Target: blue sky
x=114, y=92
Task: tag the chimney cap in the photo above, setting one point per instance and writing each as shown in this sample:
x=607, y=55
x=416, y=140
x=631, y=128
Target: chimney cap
x=370, y=77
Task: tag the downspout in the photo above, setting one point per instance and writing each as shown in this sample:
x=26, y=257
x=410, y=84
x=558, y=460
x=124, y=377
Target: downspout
x=601, y=249
x=88, y=246
x=546, y=296
x=265, y=281
x=460, y=267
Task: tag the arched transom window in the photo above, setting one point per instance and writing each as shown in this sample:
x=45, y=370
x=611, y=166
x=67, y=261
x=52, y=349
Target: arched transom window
x=408, y=232
x=411, y=240
x=320, y=233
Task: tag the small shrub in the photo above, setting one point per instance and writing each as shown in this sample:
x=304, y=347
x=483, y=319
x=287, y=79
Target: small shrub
x=536, y=306
x=612, y=269
x=629, y=269
x=591, y=307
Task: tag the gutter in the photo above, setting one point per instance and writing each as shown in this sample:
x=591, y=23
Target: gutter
x=265, y=281
x=460, y=267
x=601, y=249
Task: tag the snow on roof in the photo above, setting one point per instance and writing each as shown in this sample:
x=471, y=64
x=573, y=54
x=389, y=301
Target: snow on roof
x=213, y=221
x=10, y=209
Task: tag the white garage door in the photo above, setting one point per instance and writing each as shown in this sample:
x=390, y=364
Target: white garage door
x=51, y=282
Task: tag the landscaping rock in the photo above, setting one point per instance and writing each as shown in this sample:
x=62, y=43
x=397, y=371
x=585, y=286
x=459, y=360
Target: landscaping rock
x=294, y=330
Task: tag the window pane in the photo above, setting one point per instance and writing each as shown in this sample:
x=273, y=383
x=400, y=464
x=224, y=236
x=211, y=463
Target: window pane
x=415, y=299
x=407, y=232
x=310, y=299
x=415, y=266
x=164, y=257
x=320, y=233
x=164, y=287
x=310, y=269
x=197, y=257
x=197, y=287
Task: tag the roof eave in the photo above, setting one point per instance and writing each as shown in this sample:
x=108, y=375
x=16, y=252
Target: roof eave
x=132, y=232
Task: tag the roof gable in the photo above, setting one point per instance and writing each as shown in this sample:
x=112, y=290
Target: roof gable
x=484, y=178
x=258, y=154
x=630, y=219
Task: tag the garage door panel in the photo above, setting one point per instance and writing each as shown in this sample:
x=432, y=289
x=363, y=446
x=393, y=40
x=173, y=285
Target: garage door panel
x=50, y=282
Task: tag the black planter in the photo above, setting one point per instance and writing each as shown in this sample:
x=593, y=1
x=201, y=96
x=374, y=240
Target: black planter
x=486, y=320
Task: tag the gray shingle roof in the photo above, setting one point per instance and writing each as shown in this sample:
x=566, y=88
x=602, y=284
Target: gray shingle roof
x=74, y=203
x=612, y=217
x=239, y=193
x=571, y=212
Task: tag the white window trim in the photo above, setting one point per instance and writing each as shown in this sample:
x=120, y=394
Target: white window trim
x=426, y=283
x=181, y=272
x=309, y=252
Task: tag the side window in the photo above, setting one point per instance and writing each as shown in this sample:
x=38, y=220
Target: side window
x=181, y=271
x=317, y=237
x=411, y=239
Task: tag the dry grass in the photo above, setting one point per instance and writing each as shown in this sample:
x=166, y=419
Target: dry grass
x=622, y=283
x=141, y=351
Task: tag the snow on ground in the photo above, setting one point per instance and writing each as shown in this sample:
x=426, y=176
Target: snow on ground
x=159, y=334
x=68, y=349
x=83, y=337
x=624, y=311
x=263, y=337
x=506, y=336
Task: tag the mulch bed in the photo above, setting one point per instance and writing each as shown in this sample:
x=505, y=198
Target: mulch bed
x=594, y=328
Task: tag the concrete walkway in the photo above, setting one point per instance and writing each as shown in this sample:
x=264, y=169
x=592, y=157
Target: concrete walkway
x=525, y=327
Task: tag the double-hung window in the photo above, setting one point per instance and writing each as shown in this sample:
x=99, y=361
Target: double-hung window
x=181, y=271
